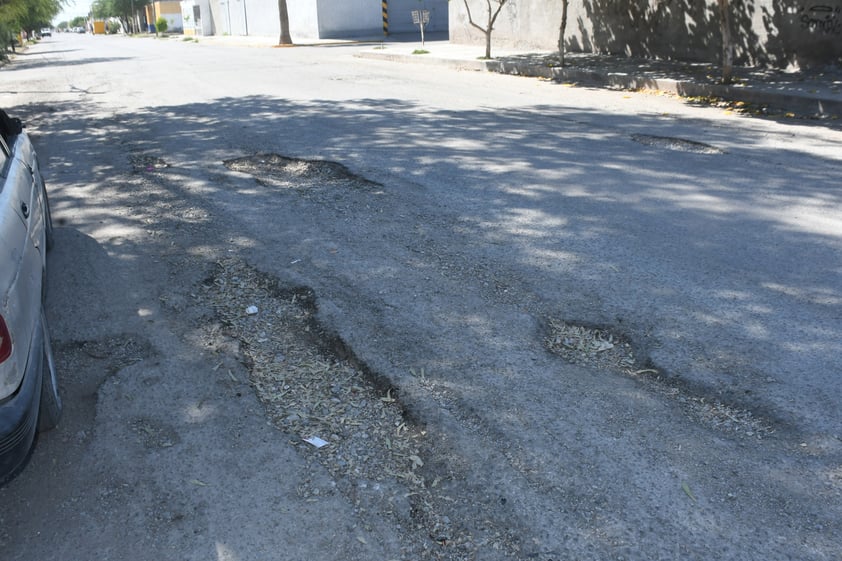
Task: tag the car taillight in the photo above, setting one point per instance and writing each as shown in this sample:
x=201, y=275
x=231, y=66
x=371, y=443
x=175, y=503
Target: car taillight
x=5, y=341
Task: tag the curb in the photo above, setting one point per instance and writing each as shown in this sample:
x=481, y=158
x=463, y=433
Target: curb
x=800, y=103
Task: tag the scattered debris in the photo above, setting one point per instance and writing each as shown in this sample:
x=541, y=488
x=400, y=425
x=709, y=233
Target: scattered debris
x=688, y=492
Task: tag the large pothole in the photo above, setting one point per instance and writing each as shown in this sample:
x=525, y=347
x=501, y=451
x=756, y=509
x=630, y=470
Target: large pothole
x=285, y=172
x=600, y=348
x=675, y=143
x=335, y=411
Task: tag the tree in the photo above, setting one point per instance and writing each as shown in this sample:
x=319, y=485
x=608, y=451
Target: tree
x=286, y=38
x=125, y=10
x=492, y=18
x=28, y=14
x=727, y=43
x=562, y=29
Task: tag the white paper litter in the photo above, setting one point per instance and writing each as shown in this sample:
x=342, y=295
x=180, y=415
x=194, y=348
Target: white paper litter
x=316, y=441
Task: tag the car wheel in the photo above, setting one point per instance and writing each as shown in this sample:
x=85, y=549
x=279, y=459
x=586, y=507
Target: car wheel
x=50, y=411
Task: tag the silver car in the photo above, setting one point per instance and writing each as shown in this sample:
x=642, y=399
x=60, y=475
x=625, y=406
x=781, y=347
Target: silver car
x=29, y=398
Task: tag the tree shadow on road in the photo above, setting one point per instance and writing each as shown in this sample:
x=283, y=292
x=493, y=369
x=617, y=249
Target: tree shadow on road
x=716, y=265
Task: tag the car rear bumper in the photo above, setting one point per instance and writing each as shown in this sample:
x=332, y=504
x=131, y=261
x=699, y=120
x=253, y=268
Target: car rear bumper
x=19, y=414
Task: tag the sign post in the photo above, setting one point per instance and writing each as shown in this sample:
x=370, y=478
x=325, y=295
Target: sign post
x=421, y=18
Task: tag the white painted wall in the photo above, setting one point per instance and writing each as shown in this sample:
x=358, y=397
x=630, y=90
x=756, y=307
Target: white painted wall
x=263, y=18
x=303, y=19
x=322, y=19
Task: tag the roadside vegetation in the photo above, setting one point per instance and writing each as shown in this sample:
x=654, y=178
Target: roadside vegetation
x=17, y=16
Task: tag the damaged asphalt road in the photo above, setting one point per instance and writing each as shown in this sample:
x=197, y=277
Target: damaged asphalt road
x=381, y=312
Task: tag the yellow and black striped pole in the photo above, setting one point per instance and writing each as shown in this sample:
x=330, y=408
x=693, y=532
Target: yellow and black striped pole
x=385, y=6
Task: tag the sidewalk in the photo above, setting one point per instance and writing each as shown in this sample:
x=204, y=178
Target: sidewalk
x=815, y=94
x=805, y=94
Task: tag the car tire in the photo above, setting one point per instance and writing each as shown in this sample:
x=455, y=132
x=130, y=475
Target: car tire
x=51, y=406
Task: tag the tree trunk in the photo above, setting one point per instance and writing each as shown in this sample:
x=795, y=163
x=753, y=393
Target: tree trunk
x=489, y=28
x=562, y=29
x=727, y=46
x=285, y=39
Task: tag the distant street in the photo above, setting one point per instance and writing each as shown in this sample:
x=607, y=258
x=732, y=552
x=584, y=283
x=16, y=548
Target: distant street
x=312, y=306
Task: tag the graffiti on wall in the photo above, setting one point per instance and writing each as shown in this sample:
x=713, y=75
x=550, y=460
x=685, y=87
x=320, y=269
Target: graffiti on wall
x=821, y=18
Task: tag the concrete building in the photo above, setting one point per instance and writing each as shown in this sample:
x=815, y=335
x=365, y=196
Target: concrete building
x=767, y=32
x=170, y=10
x=196, y=15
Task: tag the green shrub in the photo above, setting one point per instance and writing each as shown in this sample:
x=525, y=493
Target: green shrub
x=161, y=25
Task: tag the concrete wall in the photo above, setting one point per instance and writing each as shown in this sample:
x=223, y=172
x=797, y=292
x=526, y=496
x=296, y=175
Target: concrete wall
x=303, y=20
x=321, y=19
x=773, y=32
x=400, y=15
x=249, y=17
x=350, y=18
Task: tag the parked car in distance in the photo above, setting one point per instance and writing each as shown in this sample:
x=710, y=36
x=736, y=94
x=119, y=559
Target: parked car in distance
x=29, y=398
x=46, y=32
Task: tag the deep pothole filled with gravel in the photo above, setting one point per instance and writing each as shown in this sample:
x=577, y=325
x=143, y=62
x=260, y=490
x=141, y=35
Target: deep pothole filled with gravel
x=675, y=143
x=331, y=408
x=599, y=348
x=295, y=173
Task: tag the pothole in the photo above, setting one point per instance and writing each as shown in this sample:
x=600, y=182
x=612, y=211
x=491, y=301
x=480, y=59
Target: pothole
x=153, y=435
x=590, y=347
x=335, y=411
x=283, y=171
x=147, y=162
x=601, y=349
x=674, y=143
x=118, y=351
